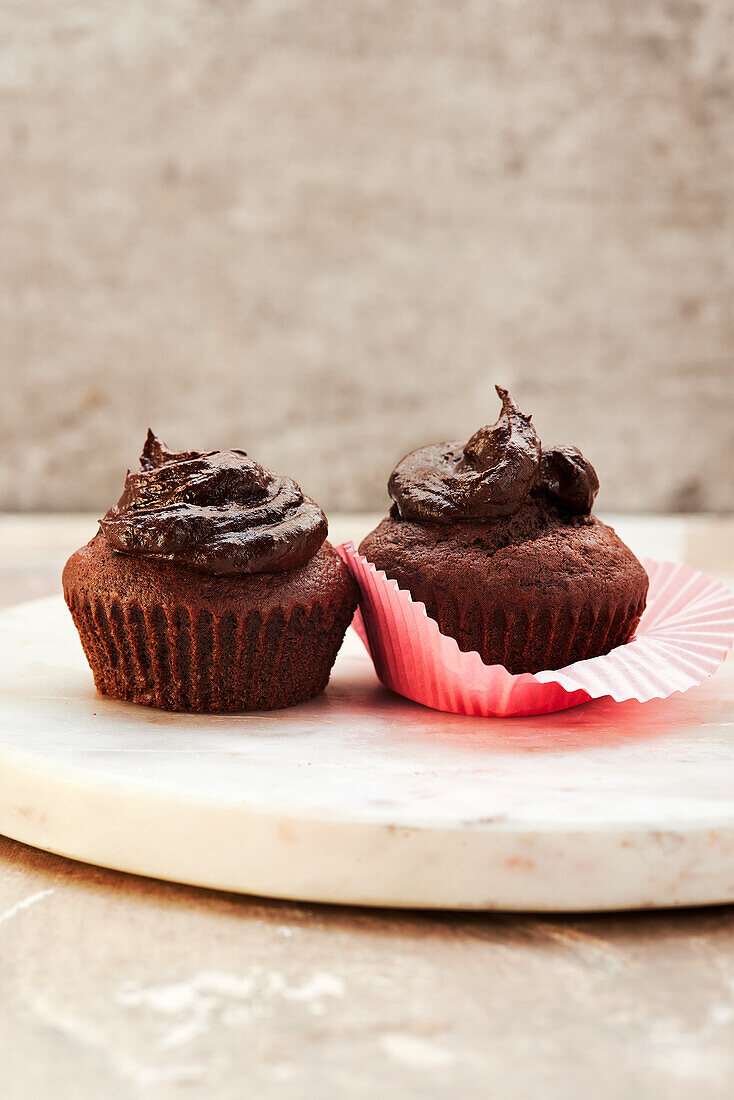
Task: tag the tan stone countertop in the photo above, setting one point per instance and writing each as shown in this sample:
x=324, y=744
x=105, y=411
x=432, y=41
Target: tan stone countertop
x=120, y=987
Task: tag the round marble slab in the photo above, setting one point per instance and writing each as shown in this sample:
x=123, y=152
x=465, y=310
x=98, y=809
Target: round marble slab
x=362, y=797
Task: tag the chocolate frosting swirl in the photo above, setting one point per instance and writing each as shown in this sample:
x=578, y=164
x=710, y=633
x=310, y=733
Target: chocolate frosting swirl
x=569, y=479
x=491, y=476
x=214, y=511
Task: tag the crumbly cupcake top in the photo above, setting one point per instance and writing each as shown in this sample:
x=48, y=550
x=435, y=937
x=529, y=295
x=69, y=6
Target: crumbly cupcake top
x=491, y=476
x=214, y=511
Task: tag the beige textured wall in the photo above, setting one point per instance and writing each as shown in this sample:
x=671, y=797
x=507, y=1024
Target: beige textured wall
x=320, y=229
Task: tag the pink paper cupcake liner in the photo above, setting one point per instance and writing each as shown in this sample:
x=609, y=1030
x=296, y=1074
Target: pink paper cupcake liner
x=683, y=637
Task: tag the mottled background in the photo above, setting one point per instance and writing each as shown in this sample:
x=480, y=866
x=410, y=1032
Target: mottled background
x=320, y=230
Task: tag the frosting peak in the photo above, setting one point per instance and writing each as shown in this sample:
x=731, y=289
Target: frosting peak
x=491, y=476
x=214, y=511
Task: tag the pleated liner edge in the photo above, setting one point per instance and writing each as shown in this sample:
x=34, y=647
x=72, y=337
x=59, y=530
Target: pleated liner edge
x=684, y=635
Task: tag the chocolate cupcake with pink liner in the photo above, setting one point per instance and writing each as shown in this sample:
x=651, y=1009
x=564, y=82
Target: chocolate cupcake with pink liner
x=491, y=588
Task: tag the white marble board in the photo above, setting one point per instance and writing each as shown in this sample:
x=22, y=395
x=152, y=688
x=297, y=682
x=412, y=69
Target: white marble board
x=361, y=797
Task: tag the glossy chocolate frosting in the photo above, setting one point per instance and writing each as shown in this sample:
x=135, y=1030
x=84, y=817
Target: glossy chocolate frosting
x=491, y=476
x=569, y=479
x=214, y=511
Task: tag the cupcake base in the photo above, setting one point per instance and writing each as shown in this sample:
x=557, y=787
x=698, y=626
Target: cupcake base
x=538, y=591
x=168, y=637
x=684, y=635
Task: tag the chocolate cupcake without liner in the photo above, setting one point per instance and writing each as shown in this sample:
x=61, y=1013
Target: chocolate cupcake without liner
x=210, y=586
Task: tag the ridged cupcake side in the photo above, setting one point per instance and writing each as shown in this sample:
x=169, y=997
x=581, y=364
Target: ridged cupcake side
x=226, y=646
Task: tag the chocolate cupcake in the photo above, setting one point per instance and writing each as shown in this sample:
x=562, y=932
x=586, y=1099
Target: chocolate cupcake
x=496, y=537
x=210, y=587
